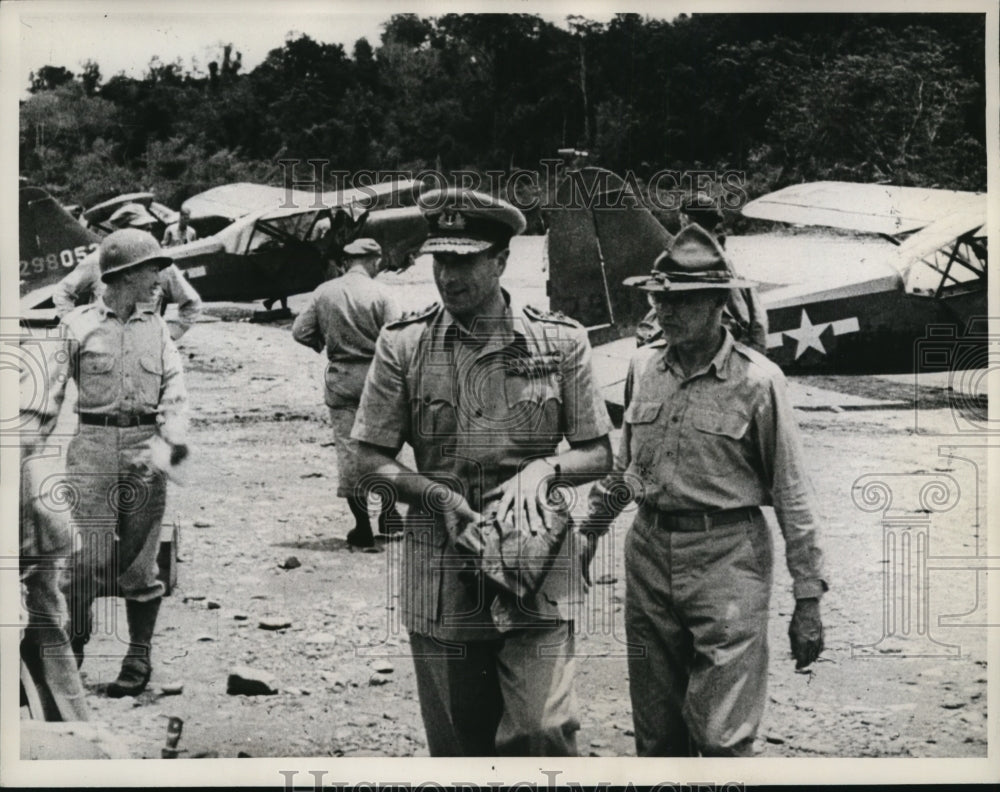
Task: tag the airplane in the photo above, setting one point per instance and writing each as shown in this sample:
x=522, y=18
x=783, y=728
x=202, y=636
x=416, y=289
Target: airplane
x=97, y=216
x=929, y=285
x=263, y=252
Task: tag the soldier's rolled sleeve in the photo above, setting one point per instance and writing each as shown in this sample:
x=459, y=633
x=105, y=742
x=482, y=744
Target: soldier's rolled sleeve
x=585, y=415
x=306, y=329
x=176, y=289
x=83, y=278
x=383, y=417
x=781, y=452
x=173, y=406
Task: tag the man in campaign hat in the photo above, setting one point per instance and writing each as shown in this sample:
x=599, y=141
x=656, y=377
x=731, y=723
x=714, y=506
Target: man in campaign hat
x=173, y=287
x=345, y=315
x=131, y=398
x=484, y=390
x=709, y=437
x=744, y=314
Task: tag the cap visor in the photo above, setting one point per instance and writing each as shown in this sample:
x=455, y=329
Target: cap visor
x=456, y=245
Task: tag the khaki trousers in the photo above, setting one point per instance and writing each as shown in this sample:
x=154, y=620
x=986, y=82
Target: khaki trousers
x=696, y=613
x=512, y=696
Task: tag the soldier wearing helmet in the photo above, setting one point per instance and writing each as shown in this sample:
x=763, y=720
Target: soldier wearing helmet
x=173, y=287
x=131, y=399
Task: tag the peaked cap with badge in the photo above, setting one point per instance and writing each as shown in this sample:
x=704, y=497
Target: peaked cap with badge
x=461, y=221
x=693, y=260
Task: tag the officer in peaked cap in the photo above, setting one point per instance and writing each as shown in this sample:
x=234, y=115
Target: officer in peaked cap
x=709, y=437
x=484, y=390
x=463, y=222
x=131, y=401
x=344, y=316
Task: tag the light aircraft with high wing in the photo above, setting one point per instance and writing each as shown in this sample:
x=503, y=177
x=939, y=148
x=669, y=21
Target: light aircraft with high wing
x=270, y=243
x=918, y=299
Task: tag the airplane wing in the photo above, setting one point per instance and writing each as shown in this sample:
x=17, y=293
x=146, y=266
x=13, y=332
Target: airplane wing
x=233, y=201
x=872, y=208
x=102, y=211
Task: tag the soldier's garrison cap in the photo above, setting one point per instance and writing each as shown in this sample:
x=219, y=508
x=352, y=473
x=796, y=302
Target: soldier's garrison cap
x=462, y=221
x=361, y=248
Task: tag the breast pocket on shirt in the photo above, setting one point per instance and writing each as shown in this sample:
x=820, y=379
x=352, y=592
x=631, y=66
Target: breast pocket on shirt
x=434, y=408
x=534, y=408
x=97, y=377
x=150, y=378
x=641, y=417
x=719, y=437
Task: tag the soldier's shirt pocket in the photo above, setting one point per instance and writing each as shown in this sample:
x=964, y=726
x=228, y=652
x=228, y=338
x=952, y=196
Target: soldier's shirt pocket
x=149, y=378
x=96, y=362
x=641, y=416
x=433, y=409
x=718, y=439
x=534, y=407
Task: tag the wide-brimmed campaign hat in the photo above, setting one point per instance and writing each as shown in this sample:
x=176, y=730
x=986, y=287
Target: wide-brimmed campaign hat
x=129, y=248
x=693, y=260
x=463, y=221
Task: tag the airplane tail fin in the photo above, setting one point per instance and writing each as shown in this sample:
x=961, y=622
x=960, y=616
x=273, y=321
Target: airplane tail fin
x=599, y=234
x=51, y=244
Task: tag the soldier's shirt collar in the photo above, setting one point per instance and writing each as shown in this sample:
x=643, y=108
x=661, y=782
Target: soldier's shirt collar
x=359, y=269
x=718, y=365
x=495, y=331
x=142, y=309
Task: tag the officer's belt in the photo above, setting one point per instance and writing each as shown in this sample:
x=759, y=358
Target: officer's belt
x=117, y=420
x=703, y=521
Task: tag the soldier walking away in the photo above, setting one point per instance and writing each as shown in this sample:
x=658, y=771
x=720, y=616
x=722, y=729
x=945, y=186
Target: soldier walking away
x=345, y=315
x=131, y=400
x=709, y=437
x=484, y=390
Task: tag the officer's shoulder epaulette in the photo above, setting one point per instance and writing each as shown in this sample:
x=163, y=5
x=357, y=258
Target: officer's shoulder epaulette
x=415, y=316
x=556, y=317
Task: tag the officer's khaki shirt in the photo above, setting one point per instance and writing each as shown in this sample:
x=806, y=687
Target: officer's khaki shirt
x=475, y=403
x=723, y=438
x=120, y=368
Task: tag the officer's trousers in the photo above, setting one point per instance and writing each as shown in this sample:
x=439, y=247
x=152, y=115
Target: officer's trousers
x=696, y=618
x=512, y=696
x=117, y=510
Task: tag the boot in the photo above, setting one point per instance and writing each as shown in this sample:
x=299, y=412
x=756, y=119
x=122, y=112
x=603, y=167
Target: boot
x=136, y=667
x=390, y=522
x=361, y=534
x=79, y=632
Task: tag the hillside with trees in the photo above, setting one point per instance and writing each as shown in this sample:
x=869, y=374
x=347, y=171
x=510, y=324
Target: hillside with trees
x=896, y=98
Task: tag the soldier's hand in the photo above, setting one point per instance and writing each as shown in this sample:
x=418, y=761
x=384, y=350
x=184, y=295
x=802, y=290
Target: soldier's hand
x=178, y=453
x=522, y=493
x=806, y=632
